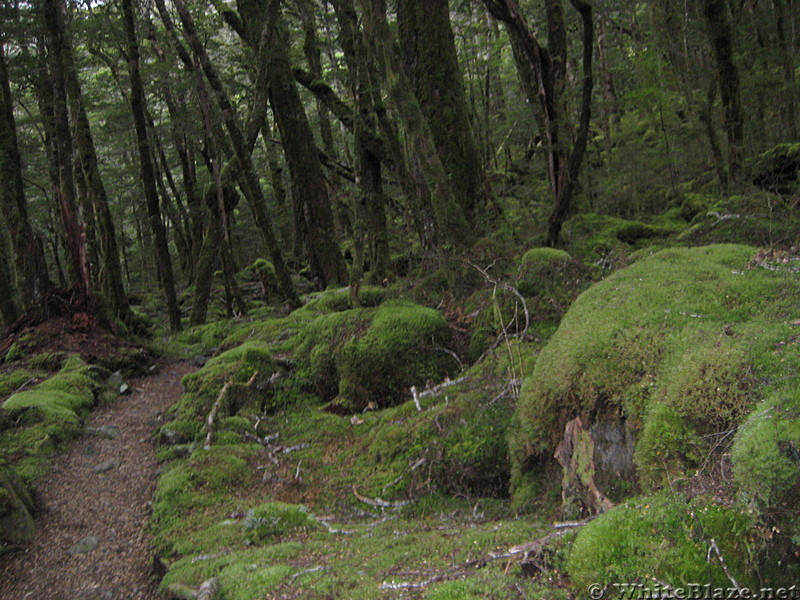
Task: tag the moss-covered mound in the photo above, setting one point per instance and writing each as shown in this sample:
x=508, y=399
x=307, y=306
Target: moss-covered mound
x=664, y=539
x=34, y=422
x=359, y=356
x=590, y=235
x=32, y=425
x=662, y=360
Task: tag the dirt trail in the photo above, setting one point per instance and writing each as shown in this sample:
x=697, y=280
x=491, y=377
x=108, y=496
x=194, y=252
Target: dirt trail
x=98, y=493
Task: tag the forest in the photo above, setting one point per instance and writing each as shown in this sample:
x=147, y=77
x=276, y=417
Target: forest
x=478, y=299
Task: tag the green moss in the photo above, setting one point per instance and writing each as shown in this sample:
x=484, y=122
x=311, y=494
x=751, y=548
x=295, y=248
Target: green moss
x=238, y=365
x=592, y=235
x=47, y=361
x=339, y=300
x=402, y=347
x=274, y=520
x=678, y=345
x=11, y=381
x=664, y=538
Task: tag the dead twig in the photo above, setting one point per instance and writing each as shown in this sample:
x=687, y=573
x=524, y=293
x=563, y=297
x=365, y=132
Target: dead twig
x=213, y=415
x=380, y=502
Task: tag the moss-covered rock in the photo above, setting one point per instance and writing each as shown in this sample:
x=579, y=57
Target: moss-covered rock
x=674, y=349
x=666, y=539
x=373, y=354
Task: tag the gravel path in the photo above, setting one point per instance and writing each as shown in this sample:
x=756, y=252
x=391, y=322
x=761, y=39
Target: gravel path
x=97, y=493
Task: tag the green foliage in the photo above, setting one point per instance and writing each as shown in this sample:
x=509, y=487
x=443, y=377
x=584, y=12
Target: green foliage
x=274, y=520
x=667, y=539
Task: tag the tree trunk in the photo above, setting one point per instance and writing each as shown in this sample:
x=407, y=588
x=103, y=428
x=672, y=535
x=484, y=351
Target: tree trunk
x=265, y=31
x=252, y=187
x=110, y=270
x=450, y=221
x=721, y=37
x=31, y=272
x=429, y=55
x=147, y=170
x=63, y=149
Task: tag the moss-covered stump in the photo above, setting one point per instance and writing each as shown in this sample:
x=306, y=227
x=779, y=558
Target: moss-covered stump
x=664, y=540
x=662, y=360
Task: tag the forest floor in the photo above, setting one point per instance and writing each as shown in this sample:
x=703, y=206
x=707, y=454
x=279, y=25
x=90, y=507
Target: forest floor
x=91, y=542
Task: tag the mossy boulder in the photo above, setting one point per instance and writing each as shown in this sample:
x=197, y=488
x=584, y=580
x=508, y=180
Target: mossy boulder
x=16, y=506
x=374, y=355
x=667, y=539
x=668, y=353
x=247, y=367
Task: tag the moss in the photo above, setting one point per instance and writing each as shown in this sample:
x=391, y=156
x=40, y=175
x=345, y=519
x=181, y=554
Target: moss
x=678, y=345
x=402, y=347
x=666, y=539
x=12, y=381
x=339, y=300
x=238, y=365
x=47, y=361
x=274, y=520
x=591, y=235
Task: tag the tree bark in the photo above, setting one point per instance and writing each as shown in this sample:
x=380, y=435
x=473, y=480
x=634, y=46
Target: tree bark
x=251, y=185
x=147, y=170
x=110, y=271
x=429, y=55
x=31, y=272
x=721, y=37
x=63, y=153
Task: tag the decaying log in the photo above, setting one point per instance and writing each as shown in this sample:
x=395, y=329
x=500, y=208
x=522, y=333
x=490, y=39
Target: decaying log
x=379, y=502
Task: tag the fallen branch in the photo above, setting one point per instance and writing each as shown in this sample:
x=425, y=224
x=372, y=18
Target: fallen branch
x=213, y=415
x=713, y=547
x=209, y=589
x=379, y=502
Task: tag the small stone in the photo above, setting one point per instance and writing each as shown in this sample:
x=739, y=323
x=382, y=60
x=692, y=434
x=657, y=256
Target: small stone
x=124, y=389
x=106, y=466
x=115, y=380
x=108, y=432
x=86, y=545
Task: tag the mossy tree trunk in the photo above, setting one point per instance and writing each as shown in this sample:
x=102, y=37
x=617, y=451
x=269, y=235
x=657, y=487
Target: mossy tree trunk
x=63, y=149
x=720, y=35
x=429, y=56
x=147, y=169
x=26, y=247
x=370, y=212
x=109, y=269
x=265, y=30
x=449, y=219
x=250, y=183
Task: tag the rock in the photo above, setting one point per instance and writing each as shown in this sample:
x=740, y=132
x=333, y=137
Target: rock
x=117, y=382
x=106, y=466
x=16, y=505
x=86, y=545
x=108, y=432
